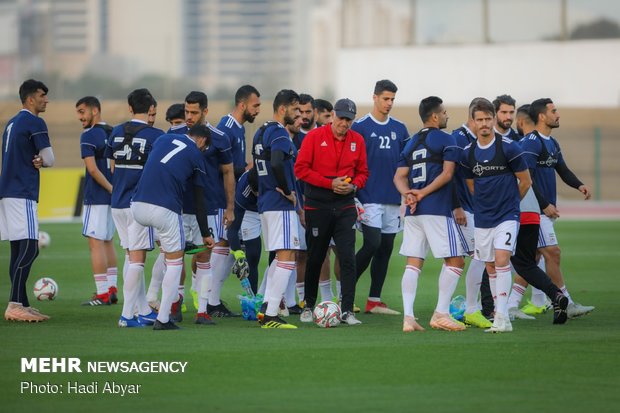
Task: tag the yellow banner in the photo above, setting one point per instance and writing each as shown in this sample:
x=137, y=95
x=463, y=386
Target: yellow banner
x=59, y=192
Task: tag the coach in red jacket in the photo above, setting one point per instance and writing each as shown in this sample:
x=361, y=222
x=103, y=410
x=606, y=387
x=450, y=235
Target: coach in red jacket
x=332, y=163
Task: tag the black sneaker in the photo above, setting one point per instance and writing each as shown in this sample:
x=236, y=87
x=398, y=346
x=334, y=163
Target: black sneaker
x=559, y=308
x=296, y=309
x=220, y=310
x=176, y=313
x=165, y=326
x=97, y=300
x=275, y=322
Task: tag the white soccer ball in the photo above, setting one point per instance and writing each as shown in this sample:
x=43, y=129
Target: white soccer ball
x=45, y=289
x=327, y=314
x=44, y=239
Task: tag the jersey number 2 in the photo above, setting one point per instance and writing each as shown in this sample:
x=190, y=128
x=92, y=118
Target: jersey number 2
x=385, y=142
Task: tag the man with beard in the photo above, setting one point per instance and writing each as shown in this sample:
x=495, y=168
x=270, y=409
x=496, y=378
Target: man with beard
x=247, y=108
x=505, y=113
x=273, y=152
x=542, y=150
x=324, y=111
x=98, y=225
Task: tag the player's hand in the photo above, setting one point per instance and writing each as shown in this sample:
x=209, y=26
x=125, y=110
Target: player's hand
x=291, y=197
x=585, y=191
x=551, y=211
x=229, y=217
x=341, y=186
x=302, y=217
x=459, y=216
x=411, y=201
x=419, y=195
x=208, y=242
x=37, y=162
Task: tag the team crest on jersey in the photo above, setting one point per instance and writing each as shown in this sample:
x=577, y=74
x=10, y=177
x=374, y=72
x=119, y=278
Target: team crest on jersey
x=353, y=146
x=315, y=232
x=393, y=135
x=295, y=241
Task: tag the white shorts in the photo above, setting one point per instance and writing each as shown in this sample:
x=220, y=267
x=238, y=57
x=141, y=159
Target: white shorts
x=168, y=223
x=250, y=226
x=384, y=216
x=466, y=233
x=191, y=229
x=434, y=232
x=219, y=229
x=18, y=219
x=546, y=234
x=215, y=223
x=502, y=237
x=302, y=237
x=133, y=236
x=97, y=222
x=280, y=230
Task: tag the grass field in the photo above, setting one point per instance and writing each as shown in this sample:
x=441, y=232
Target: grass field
x=238, y=367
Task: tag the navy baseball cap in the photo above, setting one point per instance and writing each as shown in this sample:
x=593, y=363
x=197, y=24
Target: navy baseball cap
x=345, y=108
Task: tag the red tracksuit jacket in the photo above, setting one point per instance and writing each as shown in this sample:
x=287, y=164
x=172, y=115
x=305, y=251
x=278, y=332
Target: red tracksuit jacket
x=318, y=163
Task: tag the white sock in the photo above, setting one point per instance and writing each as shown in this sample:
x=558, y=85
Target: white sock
x=538, y=297
x=278, y=282
x=374, y=299
x=142, y=305
x=448, y=280
x=516, y=294
x=221, y=263
x=301, y=291
x=289, y=294
x=409, y=286
x=112, y=276
x=492, y=286
x=338, y=290
x=131, y=288
x=169, y=288
x=565, y=292
x=126, y=264
x=157, y=276
x=181, y=289
x=193, y=281
x=101, y=282
x=503, y=283
x=473, y=279
x=203, y=274
x=326, y=290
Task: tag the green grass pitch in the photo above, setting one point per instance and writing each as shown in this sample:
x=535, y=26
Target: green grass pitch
x=237, y=367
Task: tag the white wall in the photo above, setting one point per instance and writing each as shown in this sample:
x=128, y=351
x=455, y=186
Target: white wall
x=577, y=73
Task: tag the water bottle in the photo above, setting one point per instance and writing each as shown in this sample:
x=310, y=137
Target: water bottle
x=457, y=307
x=247, y=288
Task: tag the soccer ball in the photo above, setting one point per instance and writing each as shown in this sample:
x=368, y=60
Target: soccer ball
x=327, y=314
x=45, y=289
x=457, y=307
x=44, y=239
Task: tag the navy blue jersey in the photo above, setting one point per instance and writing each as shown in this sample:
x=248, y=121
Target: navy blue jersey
x=24, y=137
x=236, y=133
x=385, y=142
x=463, y=137
x=174, y=166
x=496, y=192
x=244, y=197
x=543, y=155
x=298, y=138
x=180, y=129
x=510, y=134
x=424, y=154
x=274, y=138
x=129, y=152
x=92, y=144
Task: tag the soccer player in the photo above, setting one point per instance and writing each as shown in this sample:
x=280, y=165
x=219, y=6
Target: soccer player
x=505, y=113
x=273, y=152
x=98, y=225
x=332, y=164
x=543, y=150
x=174, y=163
x=247, y=108
x=498, y=177
x=385, y=139
x=464, y=217
x=423, y=177
x=25, y=149
x=324, y=111
x=175, y=115
x=128, y=148
x=152, y=115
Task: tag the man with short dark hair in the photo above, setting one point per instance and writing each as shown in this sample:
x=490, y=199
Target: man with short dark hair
x=98, y=225
x=175, y=115
x=25, y=149
x=324, y=110
x=332, y=164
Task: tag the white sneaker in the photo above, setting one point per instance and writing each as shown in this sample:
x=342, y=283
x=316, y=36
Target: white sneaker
x=501, y=324
x=306, y=316
x=349, y=318
x=577, y=310
x=516, y=313
x=283, y=312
